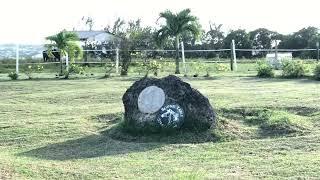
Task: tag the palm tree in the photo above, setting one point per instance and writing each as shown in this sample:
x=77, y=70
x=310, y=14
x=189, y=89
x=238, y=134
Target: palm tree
x=65, y=42
x=176, y=25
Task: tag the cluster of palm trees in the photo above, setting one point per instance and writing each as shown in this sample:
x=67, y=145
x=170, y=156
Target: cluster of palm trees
x=175, y=25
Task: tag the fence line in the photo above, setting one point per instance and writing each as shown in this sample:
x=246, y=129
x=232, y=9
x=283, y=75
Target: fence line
x=232, y=51
x=192, y=50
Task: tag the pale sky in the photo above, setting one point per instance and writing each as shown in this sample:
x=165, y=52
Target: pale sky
x=30, y=21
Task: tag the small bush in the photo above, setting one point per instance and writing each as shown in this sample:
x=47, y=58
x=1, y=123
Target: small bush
x=197, y=67
x=154, y=67
x=265, y=70
x=32, y=69
x=317, y=72
x=208, y=70
x=13, y=76
x=221, y=67
x=74, y=69
x=293, y=69
x=108, y=69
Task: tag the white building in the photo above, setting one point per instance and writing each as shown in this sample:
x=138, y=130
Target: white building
x=276, y=62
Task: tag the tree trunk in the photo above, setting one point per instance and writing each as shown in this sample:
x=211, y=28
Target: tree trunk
x=86, y=54
x=177, y=56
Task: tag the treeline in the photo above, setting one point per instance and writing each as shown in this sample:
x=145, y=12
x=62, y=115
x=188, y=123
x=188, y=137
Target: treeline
x=143, y=37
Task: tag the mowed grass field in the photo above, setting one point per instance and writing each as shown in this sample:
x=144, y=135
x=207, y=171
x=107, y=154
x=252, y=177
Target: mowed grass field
x=58, y=129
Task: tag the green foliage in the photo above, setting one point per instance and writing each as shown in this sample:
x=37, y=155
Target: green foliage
x=166, y=66
x=65, y=42
x=176, y=25
x=208, y=68
x=74, y=69
x=264, y=70
x=303, y=39
x=213, y=39
x=197, y=67
x=221, y=67
x=317, y=72
x=154, y=67
x=108, y=69
x=293, y=69
x=262, y=38
x=13, y=76
x=33, y=69
x=242, y=41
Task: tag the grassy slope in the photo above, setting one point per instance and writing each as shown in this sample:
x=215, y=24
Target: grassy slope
x=50, y=129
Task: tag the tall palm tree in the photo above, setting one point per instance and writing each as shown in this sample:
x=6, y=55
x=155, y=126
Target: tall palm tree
x=176, y=25
x=65, y=42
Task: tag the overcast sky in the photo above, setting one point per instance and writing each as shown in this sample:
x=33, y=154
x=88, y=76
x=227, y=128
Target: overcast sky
x=30, y=21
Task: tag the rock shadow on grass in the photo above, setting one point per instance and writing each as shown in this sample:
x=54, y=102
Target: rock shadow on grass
x=112, y=141
x=92, y=146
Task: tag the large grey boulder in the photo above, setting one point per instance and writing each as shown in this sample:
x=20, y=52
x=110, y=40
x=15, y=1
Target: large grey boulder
x=153, y=105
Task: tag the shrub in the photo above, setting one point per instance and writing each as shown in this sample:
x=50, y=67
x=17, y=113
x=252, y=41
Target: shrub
x=208, y=69
x=74, y=69
x=265, y=70
x=221, y=67
x=197, y=68
x=108, y=69
x=32, y=69
x=317, y=72
x=293, y=69
x=13, y=76
x=154, y=67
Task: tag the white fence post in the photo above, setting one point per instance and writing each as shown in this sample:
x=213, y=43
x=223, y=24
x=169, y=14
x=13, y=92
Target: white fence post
x=117, y=60
x=67, y=62
x=276, y=52
x=183, y=58
x=233, y=56
x=17, y=59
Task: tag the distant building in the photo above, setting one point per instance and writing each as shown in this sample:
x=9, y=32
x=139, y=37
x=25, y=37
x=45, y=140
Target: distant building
x=95, y=36
x=277, y=62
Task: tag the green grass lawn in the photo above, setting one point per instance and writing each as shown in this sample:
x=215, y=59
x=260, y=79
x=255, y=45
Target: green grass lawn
x=60, y=129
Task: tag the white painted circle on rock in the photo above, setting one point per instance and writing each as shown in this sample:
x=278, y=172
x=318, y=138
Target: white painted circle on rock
x=151, y=99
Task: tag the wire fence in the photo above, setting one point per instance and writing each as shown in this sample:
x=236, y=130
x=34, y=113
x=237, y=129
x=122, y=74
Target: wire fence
x=22, y=59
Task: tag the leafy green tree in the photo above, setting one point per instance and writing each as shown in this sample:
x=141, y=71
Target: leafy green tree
x=131, y=36
x=214, y=37
x=302, y=39
x=242, y=41
x=262, y=39
x=176, y=24
x=65, y=42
